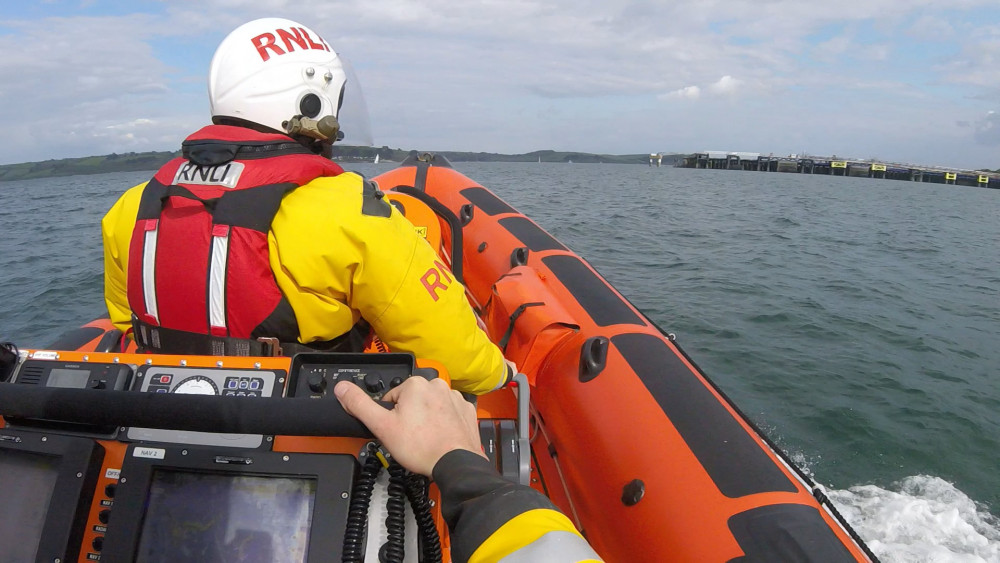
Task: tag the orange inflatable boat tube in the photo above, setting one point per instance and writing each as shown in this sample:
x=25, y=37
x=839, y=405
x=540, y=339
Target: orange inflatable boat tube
x=629, y=437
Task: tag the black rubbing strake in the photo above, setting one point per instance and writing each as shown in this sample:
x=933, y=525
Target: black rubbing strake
x=730, y=456
x=110, y=342
x=530, y=234
x=489, y=203
x=786, y=532
x=594, y=295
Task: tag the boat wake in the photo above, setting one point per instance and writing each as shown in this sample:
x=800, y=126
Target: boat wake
x=920, y=519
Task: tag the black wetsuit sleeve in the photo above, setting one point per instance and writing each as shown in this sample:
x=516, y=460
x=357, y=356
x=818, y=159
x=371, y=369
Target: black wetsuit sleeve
x=476, y=501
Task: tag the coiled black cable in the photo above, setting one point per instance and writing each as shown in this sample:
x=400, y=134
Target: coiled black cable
x=430, y=541
x=395, y=520
x=357, y=514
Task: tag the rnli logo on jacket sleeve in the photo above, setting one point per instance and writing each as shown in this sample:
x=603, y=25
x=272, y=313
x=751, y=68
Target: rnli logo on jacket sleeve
x=436, y=279
x=226, y=175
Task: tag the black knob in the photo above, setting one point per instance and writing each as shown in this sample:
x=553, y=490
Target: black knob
x=109, y=491
x=104, y=515
x=317, y=382
x=98, y=543
x=396, y=382
x=373, y=383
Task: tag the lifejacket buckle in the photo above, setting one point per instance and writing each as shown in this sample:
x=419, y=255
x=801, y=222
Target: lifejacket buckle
x=272, y=346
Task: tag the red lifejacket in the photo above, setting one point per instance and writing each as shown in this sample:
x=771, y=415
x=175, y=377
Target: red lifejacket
x=198, y=257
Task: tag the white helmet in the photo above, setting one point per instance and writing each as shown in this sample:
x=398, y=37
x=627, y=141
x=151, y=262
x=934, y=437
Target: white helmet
x=269, y=70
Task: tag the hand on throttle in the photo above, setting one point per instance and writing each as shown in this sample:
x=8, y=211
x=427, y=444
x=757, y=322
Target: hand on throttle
x=428, y=421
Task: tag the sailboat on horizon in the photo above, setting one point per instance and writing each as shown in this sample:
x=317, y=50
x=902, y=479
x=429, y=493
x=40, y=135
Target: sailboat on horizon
x=376, y=159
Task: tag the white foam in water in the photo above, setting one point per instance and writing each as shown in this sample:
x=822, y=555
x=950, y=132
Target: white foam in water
x=925, y=519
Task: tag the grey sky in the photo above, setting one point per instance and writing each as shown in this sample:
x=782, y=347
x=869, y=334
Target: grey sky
x=910, y=81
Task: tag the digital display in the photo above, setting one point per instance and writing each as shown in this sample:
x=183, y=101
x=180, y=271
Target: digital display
x=28, y=481
x=220, y=517
x=73, y=378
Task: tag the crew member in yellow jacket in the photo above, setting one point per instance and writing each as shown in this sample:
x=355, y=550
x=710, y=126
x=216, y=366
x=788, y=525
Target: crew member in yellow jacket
x=253, y=232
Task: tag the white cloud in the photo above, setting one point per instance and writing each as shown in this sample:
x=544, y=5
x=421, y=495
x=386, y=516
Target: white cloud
x=687, y=93
x=726, y=85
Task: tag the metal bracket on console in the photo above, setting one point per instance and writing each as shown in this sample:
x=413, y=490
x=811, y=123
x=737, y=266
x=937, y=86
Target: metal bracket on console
x=523, y=423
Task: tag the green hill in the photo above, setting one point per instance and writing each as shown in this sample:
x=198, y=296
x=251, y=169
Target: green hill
x=131, y=162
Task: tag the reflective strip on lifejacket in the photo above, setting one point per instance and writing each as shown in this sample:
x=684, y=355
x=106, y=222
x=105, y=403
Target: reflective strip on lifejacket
x=555, y=546
x=149, y=270
x=217, y=279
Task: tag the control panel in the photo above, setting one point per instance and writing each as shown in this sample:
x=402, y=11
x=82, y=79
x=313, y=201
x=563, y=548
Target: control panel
x=248, y=383
x=315, y=375
x=146, y=491
x=203, y=382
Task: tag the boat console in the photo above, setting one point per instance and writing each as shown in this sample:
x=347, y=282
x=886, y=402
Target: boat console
x=134, y=457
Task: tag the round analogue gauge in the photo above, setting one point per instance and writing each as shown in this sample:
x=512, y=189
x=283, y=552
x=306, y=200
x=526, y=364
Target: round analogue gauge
x=197, y=385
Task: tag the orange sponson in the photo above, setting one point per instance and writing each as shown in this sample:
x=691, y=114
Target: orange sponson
x=630, y=439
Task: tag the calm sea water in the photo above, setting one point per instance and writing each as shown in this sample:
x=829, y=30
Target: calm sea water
x=856, y=321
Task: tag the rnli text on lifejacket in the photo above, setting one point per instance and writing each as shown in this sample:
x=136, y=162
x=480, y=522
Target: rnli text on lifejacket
x=227, y=175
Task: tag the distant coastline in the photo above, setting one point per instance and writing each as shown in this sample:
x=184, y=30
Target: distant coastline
x=134, y=162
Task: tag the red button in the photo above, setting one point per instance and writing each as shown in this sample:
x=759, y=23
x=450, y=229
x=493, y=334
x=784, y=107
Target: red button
x=165, y=378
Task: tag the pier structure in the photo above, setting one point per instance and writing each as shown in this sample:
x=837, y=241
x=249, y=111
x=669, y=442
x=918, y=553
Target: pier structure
x=655, y=159
x=834, y=166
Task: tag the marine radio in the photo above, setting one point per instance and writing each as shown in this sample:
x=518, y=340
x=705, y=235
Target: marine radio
x=75, y=375
x=53, y=373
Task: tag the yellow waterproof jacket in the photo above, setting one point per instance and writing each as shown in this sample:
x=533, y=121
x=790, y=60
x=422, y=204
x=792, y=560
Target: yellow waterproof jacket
x=335, y=265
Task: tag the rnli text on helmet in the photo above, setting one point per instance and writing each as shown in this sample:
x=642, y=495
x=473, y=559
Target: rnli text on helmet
x=296, y=36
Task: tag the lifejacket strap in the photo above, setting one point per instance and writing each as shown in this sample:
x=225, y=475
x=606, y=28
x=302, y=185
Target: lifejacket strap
x=152, y=339
x=159, y=340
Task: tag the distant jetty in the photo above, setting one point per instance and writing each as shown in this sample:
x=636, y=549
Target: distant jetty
x=834, y=166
